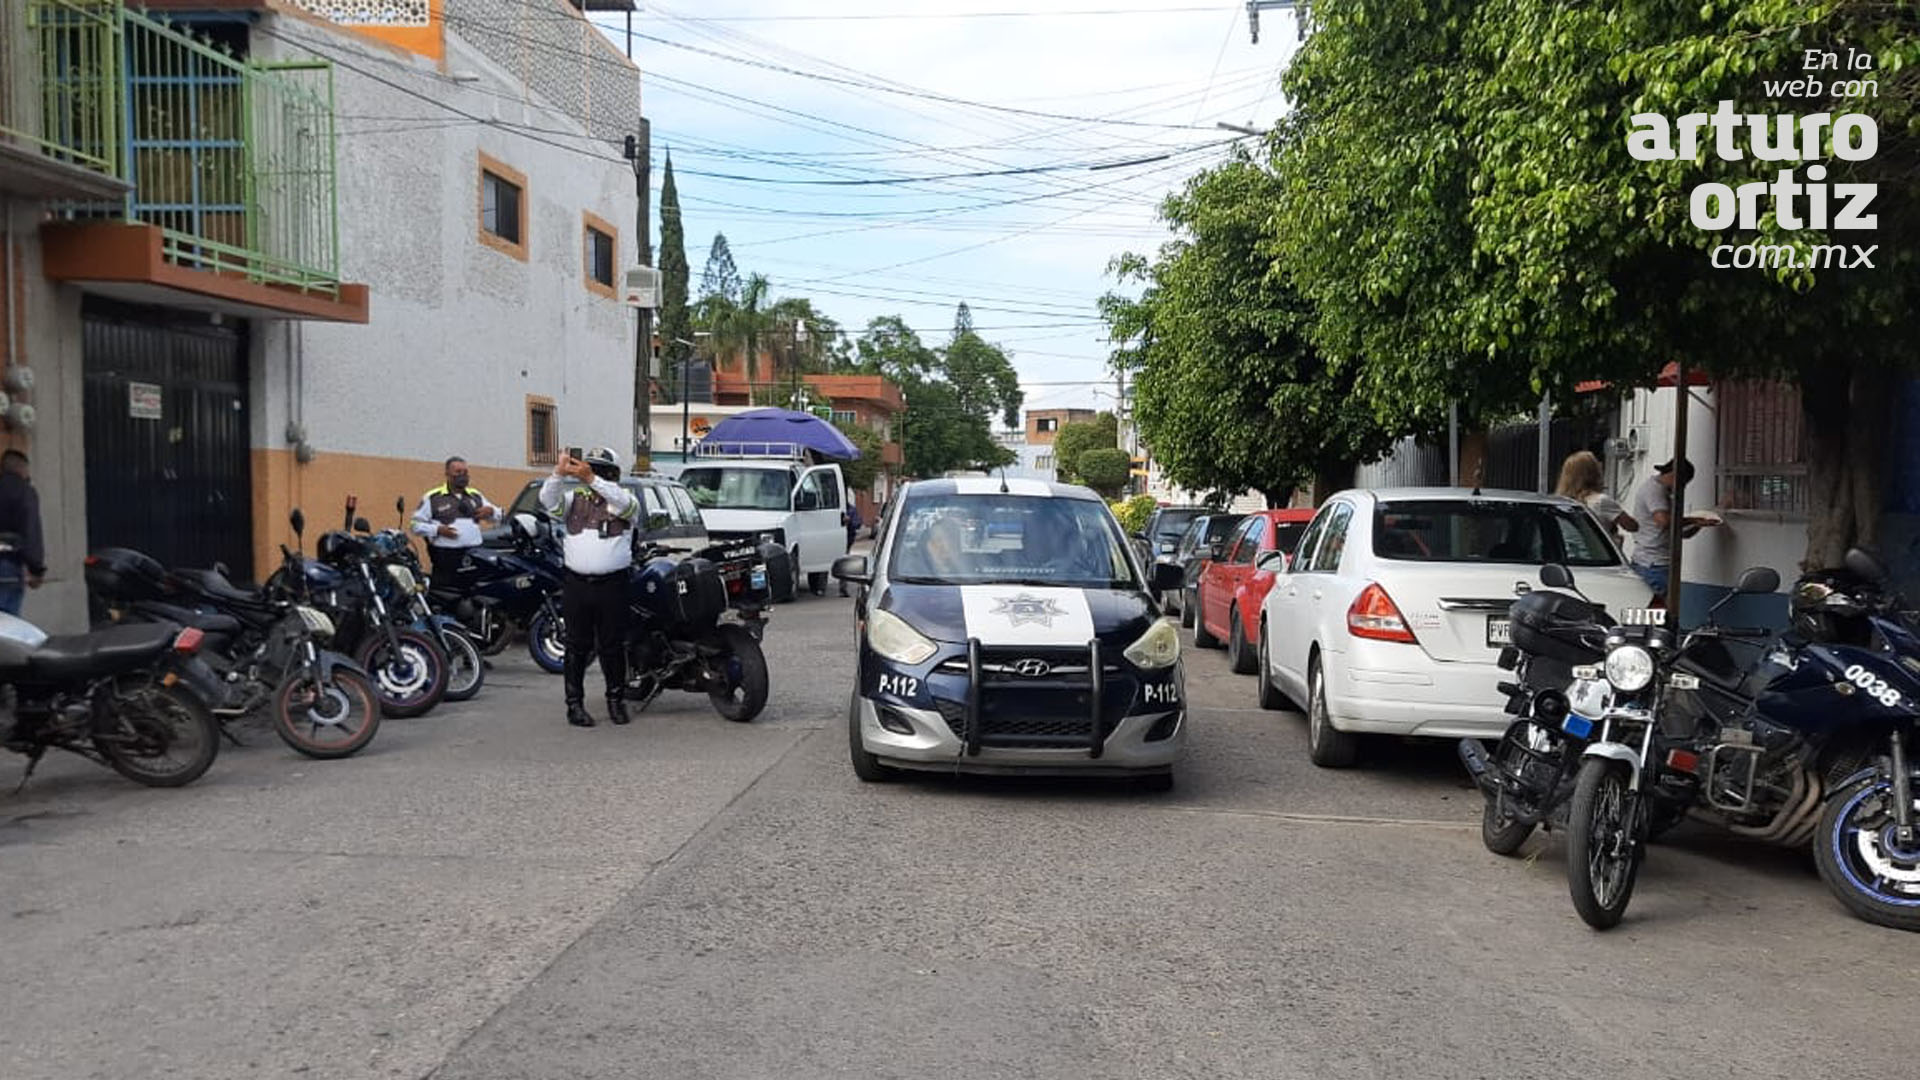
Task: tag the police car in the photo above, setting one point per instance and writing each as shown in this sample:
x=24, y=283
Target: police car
x=1006, y=626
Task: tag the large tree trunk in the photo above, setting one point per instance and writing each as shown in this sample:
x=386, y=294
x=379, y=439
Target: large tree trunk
x=1331, y=477
x=1847, y=418
x=1278, y=498
x=1473, y=457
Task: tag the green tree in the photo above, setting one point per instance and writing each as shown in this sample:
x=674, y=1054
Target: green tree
x=1104, y=469
x=889, y=347
x=860, y=472
x=962, y=320
x=741, y=326
x=1227, y=389
x=1073, y=440
x=1461, y=214
x=676, y=322
x=983, y=378
x=720, y=277
x=1132, y=513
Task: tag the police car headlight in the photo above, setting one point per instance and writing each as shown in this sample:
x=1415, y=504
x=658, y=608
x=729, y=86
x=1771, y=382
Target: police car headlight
x=890, y=636
x=1158, y=648
x=1630, y=668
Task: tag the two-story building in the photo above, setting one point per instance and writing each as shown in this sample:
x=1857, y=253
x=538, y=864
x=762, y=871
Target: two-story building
x=267, y=254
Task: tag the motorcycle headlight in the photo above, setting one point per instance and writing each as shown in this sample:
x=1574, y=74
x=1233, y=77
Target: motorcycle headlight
x=1630, y=668
x=1158, y=648
x=403, y=577
x=316, y=621
x=891, y=636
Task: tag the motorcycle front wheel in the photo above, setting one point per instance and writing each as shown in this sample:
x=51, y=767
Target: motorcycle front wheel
x=161, y=736
x=1861, y=858
x=332, y=720
x=547, y=640
x=466, y=671
x=1603, y=843
x=739, y=683
x=410, y=677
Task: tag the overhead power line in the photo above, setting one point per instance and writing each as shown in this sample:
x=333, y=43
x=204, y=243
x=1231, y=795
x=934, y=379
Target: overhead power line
x=904, y=16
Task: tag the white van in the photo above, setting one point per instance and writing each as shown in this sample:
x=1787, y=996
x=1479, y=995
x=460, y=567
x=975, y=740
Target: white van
x=769, y=492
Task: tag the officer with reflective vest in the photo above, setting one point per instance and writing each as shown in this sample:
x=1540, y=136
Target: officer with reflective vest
x=450, y=516
x=596, y=521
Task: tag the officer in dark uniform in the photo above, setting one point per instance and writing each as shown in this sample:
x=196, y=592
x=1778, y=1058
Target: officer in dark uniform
x=597, y=542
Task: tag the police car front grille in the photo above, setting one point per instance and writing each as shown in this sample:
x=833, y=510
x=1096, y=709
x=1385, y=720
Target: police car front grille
x=1024, y=715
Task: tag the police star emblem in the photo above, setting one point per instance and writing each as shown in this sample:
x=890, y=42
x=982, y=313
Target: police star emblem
x=1026, y=608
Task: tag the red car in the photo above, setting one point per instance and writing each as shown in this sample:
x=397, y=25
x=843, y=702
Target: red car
x=1231, y=588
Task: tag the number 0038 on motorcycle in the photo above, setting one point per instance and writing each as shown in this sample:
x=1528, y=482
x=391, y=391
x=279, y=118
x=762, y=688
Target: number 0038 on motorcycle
x=1499, y=631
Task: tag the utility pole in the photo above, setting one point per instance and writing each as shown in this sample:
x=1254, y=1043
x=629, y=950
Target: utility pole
x=1546, y=442
x=640, y=154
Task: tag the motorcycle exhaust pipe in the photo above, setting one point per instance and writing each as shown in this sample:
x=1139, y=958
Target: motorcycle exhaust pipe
x=1474, y=757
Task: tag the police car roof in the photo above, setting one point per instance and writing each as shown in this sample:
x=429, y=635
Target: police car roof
x=992, y=485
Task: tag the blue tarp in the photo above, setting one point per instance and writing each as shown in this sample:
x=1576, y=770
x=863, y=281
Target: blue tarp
x=751, y=432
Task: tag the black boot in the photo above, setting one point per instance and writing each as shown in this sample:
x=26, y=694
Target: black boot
x=617, y=710
x=577, y=714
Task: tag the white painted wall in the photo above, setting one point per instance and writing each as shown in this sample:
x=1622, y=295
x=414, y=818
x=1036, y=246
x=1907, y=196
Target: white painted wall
x=1028, y=467
x=460, y=333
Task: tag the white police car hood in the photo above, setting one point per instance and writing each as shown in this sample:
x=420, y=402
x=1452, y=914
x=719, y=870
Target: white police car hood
x=1021, y=614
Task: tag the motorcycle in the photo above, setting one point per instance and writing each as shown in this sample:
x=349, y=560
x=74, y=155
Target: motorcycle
x=114, y=696
x=1530, y=774
x=1798, y=739
x=499, y=590
x=409, y=668
x=265, y=651
x=406, y=596
x=695, y=625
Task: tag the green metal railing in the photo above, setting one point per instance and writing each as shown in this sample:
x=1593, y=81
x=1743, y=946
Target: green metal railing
x=232, y=160
x=60, y=84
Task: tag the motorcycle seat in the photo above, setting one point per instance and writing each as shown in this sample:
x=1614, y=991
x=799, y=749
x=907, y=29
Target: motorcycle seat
x=103, y=652
x=215, y=584
x=210, y=622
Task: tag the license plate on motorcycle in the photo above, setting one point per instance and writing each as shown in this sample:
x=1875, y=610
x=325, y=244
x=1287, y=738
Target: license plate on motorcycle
x=1577, y=726
x=759, y=578
x=1499, y=631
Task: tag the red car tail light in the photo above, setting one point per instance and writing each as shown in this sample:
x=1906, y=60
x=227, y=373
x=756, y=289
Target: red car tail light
x=1374, y=616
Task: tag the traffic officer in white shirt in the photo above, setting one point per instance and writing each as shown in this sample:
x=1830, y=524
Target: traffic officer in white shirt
x=449, y=517
x=597, y=523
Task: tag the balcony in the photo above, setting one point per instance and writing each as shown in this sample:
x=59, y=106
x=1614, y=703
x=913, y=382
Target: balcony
x=60, y=99
x=229, y=202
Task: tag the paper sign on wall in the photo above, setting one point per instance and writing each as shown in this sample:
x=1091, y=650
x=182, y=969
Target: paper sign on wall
x=143, y=401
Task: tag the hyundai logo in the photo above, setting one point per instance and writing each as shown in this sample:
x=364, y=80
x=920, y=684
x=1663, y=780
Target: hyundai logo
x=1032, y=669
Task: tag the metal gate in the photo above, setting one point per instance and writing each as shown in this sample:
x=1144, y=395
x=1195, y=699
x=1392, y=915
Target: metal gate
x=168, y=465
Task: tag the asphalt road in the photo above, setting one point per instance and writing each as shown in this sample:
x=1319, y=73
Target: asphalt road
x=487, y=893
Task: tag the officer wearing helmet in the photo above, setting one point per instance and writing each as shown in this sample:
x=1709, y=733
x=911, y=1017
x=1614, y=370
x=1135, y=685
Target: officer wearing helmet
x=596, y=520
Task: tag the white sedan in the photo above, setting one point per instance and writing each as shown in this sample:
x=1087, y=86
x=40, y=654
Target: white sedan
x=1391, y=618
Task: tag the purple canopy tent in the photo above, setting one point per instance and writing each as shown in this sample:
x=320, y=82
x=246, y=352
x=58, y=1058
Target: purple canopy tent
x=753, y=432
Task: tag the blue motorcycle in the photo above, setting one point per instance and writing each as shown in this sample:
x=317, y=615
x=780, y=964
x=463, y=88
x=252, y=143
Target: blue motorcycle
x=1802, y=738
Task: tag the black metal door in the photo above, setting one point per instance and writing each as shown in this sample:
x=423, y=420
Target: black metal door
x=168, y=467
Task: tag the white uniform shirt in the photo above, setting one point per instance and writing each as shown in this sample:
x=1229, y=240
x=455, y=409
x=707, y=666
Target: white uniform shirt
x=596, y=534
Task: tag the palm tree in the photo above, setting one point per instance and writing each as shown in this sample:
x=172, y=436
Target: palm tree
x=736, y=327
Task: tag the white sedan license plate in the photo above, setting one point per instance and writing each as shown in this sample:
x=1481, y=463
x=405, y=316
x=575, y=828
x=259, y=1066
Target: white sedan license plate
x=1499, y=631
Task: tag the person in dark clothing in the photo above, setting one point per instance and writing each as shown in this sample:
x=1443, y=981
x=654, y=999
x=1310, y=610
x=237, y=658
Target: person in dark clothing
x=25, y=566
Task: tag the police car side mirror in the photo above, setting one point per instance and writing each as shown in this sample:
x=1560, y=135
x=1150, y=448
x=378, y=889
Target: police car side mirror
x=852, y=568
x=1168, y=577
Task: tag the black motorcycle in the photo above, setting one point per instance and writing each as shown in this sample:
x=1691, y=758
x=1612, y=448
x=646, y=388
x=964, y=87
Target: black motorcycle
x=115, y=696
x=266, y=651
x=409, y=668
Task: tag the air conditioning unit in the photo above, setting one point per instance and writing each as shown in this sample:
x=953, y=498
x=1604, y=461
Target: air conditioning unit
x=643, y=287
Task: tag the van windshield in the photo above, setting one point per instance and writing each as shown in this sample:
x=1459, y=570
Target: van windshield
x=1010, y=540
x=719, y=488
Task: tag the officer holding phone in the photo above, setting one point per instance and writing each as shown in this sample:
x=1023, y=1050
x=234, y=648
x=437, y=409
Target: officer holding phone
x=597, y=545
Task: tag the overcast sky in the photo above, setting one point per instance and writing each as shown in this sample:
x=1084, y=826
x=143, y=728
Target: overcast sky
x=1055, y=89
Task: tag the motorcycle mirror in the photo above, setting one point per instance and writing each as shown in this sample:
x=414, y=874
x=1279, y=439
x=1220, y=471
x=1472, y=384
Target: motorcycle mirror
x=1863, y=563
x=1759, y=579
x=299, y=522
x=400, y=504
x=1556, y=576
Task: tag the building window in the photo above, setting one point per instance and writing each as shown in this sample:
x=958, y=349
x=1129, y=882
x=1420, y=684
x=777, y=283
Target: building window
x=503, y=208
x=1044, y=462
x=601, y=246
x=1763, y=450
x=845, y=416
x=543, y=432
x=1047, y=423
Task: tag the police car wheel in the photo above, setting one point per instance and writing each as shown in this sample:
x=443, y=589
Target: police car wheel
x=865, y=765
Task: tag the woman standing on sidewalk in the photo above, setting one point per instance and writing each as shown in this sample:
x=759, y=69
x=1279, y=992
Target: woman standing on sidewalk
x=1582, y=478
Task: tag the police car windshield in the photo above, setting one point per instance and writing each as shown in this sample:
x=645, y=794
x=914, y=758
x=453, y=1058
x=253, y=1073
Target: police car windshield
x=738, y=489
x=1009, y=540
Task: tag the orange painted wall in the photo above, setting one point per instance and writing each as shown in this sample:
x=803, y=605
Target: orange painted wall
x=321, y=488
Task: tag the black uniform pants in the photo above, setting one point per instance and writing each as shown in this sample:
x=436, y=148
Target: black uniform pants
x=595, y=610
x=446, y=562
